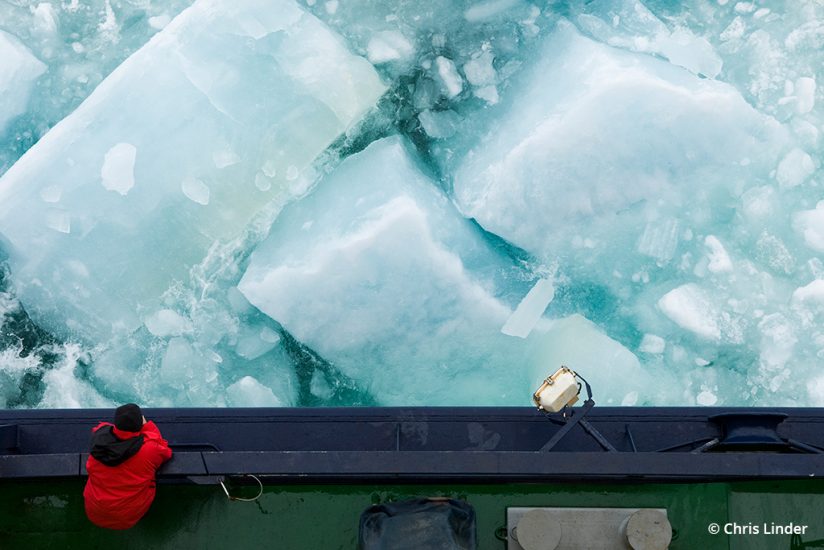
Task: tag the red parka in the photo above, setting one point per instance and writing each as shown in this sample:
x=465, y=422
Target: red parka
x=117, y=496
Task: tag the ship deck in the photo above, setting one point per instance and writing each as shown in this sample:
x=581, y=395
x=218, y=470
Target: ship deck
x=451, y=444
x=321, y=468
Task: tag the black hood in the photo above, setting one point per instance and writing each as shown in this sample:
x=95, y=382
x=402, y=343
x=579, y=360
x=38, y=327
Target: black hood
x=110, y=450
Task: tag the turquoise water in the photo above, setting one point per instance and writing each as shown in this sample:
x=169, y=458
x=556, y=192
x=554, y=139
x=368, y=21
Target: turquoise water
x=410, y=203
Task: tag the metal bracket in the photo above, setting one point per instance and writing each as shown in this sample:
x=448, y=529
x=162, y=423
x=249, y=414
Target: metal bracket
x=577, y=417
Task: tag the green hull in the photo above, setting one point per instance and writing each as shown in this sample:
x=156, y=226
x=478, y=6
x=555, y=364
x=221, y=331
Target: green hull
x=49, y=514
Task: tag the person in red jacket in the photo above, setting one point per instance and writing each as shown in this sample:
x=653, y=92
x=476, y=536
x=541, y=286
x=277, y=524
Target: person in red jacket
x=124, y=459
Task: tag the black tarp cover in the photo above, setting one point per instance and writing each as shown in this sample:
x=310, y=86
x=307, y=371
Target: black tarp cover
x=431, y=523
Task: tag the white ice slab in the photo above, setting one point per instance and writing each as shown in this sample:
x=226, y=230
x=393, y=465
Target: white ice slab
x=166, y=156
x=530, y=310
x=691, y=308
x=612, y=370
x=597, y=142
x=373, y=271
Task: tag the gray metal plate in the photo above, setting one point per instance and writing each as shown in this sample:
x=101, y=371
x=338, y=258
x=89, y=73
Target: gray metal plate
x=580, y=528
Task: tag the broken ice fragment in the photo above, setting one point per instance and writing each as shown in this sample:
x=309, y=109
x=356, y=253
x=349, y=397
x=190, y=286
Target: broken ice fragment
x=651, y=343
x=805, y=94
x=778, y=340
x=387, y=46
x=689, y=307
x=808, y=301
x=692, y=52
x=448, y=73
x=815, y=390
x=166, y=322
x=268, y=335
x=479, y=70
x=189, y=372
x=248, y=392
x=530, y=310
x=319, y=387
x=734, y=31
x=806, y=133
x=706, y=399
x=488, y=94
x=813, y=292
x=794, y=169
x=660, y=239
x=630, y=399
x=810, y=224
x=159, y=21
x=253, y=342
x=719, y=260
x=774, y=253
x=439, y=124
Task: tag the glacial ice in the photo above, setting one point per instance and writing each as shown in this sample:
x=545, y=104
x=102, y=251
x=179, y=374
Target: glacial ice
x=644, y=182
x=218, y=96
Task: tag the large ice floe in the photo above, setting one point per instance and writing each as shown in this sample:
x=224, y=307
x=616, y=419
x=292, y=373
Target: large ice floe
x=220, y=114
x=373, y=271
x=378, y=272
x=422, y=202
x=602, y=147
x=639, y=177
x=182, y=145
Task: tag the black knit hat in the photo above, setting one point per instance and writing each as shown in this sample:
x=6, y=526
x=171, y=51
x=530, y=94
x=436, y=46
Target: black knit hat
x=128, y=418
